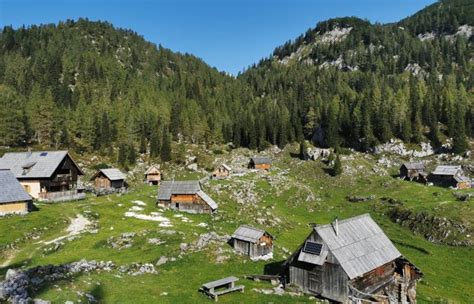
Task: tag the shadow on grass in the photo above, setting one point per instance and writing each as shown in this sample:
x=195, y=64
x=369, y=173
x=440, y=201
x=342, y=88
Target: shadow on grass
x=275, y=268
x=420, y=249
x=3, y=270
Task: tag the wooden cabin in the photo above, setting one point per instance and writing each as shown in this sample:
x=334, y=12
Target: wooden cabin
x=449, y=176
x=223, y=171
x=413, y=171
x=260, y=163
x=185, y=196
x=153, y=175
x=13, y=197
x=252, y=241
x=45, y=175
x=109, y=179
x=352, y=261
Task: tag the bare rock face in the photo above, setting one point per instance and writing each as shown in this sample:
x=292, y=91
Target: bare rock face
x=317, y=153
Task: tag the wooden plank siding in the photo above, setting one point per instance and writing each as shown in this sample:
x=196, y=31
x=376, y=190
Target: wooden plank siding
x=15, y=207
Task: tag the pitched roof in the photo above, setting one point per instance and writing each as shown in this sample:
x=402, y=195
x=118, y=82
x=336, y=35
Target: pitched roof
x=462, y=178
x=226, y=167
x=207, y=199
x=249, y=234
x=414, y=166
x=446, y=170
x=151, y=168
x=113, y=174
x=360, y=245
x=168, y=188
x=261, y=160
x=40, y=164
x=11, y=191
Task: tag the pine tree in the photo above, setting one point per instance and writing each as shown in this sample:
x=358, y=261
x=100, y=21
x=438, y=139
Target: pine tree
x=302, y=150
x=12, y=127
x=460, y=144
x=166, y=147
x=122, y=155
x=337, y=168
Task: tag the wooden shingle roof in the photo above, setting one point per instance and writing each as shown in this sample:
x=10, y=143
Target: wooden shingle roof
x=10, y=188
x=447, y=170
x=168, y=188
x=414, y=166
x=113, y=174
x=360, y=245
x=248, y=234
x=258, y=160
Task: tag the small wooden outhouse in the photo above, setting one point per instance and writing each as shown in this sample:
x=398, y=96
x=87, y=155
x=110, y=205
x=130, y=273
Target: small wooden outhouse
x=252, y=241
x=153, y=175
x=109, y=179
x=223, y=171
x=352, y=261
x=185, y=196
x=13, y=197
x=261, y=163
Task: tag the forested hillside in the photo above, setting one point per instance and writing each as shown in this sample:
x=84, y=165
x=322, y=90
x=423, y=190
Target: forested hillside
x=91, y=87
x=358, y=84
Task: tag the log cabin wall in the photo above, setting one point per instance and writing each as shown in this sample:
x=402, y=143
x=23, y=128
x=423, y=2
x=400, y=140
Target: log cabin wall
x=102, y=182
x=372, y=279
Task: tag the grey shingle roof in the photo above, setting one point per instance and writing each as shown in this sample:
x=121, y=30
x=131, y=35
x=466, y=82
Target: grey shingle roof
x=414, y=166
x=113, y=174
x=168, y=188
x=447, y=170
x=360, y=245
x=41, y=164
x=10, y=188
x=207, y=199
x=248, y=234
x=261, y=160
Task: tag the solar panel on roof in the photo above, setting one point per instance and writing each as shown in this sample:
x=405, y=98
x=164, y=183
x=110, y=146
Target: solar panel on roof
x=313, y=248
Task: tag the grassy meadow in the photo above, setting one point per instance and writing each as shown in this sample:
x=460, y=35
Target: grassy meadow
x=286, y=201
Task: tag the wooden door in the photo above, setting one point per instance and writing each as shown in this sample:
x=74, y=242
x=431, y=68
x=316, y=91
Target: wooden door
x=314, y=281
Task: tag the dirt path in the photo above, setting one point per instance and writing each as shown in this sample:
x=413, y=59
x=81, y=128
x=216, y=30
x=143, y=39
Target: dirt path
x=78, y=225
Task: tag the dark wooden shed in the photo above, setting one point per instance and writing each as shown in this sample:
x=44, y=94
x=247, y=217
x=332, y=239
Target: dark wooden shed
x=449, y=176
x=352, y=260
x=252, y=241
x=413, y=171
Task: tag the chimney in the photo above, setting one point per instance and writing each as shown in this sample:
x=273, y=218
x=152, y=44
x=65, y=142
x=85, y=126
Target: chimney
x=335, y=226
x=29, y=151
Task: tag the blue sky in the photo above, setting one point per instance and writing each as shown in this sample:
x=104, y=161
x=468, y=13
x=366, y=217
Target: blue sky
x=228, y=34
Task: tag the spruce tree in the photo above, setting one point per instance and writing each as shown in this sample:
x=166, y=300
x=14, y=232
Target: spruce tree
x=166, y=147
x=302, y=150
x=337, y=168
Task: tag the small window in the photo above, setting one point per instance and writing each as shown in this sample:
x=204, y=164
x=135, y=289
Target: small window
x=44, y=154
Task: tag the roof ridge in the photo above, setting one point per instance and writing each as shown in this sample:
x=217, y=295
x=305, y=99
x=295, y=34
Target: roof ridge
x=344, y=220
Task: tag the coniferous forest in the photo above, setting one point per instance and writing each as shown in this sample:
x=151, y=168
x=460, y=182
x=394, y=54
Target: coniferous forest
x=89, y=86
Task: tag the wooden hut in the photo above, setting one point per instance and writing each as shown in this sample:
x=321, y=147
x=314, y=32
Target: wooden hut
x=261, y=163
x=109, y=179
x=45, y=175
x=13, y=197
x=413, y=171
x=185, y=196
x=449, y=176
x=352, y=260
x=252, y=241
x=223, y=171
x=153, y=175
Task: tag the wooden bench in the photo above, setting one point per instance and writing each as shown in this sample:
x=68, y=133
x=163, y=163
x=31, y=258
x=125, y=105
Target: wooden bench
x=220, y=287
